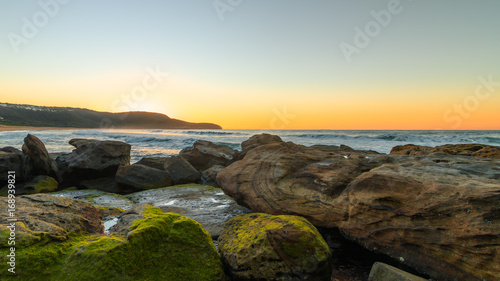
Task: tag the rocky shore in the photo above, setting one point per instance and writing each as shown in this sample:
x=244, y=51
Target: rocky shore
x=273, y=211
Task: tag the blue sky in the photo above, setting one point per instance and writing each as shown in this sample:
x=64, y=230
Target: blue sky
x=262, y=56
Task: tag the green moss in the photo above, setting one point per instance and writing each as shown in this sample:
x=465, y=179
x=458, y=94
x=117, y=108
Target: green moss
x=265, y=246
x=47, y=184
x=162, y=246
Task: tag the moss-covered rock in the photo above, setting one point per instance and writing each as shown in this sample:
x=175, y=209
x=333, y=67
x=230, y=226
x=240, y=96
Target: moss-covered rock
x=157, y=246
x=40, y=184
x=265, y=247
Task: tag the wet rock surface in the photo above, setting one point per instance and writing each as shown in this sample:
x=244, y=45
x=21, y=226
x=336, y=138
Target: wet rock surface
x=97, y=198
x=205, y=204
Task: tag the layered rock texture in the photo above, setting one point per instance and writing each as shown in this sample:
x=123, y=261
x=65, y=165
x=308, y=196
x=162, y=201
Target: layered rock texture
x=438, y=213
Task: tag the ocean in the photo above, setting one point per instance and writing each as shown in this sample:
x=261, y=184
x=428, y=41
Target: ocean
x=148, y=143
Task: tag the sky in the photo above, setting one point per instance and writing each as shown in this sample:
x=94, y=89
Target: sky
x=282, y=64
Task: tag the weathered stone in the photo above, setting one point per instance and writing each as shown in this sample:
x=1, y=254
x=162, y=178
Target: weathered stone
x=42, y=217
x=384, y=272
x=142, y=177
x=11, y=159
x=37, y=160
x=209, y=176
x=438, y=215
x=285, y=178
x=204, y=154
x=472, y=149
x=92, y=159
x=264, y=247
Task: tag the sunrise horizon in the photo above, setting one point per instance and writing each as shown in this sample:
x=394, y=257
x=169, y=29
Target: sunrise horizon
x=281, y=65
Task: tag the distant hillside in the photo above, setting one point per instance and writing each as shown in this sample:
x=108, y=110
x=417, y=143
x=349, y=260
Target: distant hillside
x=40, y=116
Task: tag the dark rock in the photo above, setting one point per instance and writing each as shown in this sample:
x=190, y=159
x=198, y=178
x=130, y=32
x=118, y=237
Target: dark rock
x=179, y=169
x=264, y=247
x=209, y=176
x=204, y=154
x=285, y=178
x=11, y=159
x=105, y=184
x=142, y=177
x=477, y=150
x=37, y=160
x=92, y=159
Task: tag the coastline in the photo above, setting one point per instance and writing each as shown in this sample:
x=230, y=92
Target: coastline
x=4, y=128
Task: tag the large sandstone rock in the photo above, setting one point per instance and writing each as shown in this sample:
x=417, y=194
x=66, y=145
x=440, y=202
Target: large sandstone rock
x=205, y=154
x=142, y=177
x=439, y=215
x=37, y=160
x=209, y=176
x=264, y=247
x=285, y=178
x=179, y=169
x=478, y=150
x=11, y=159
x=92, y=159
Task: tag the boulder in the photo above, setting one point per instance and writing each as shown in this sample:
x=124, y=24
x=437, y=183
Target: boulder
x=153, y=246
x=472, y=149
x=142, y=177
x=205, y=154
x=179, y=169
x=92, y=159
x=37, y=160
x=255, y=141
x=209, y=176
x=207, y=205
x=265, y=247
x=286, y=178
x=384, y=272
x=11, y=159
x=438, y=215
